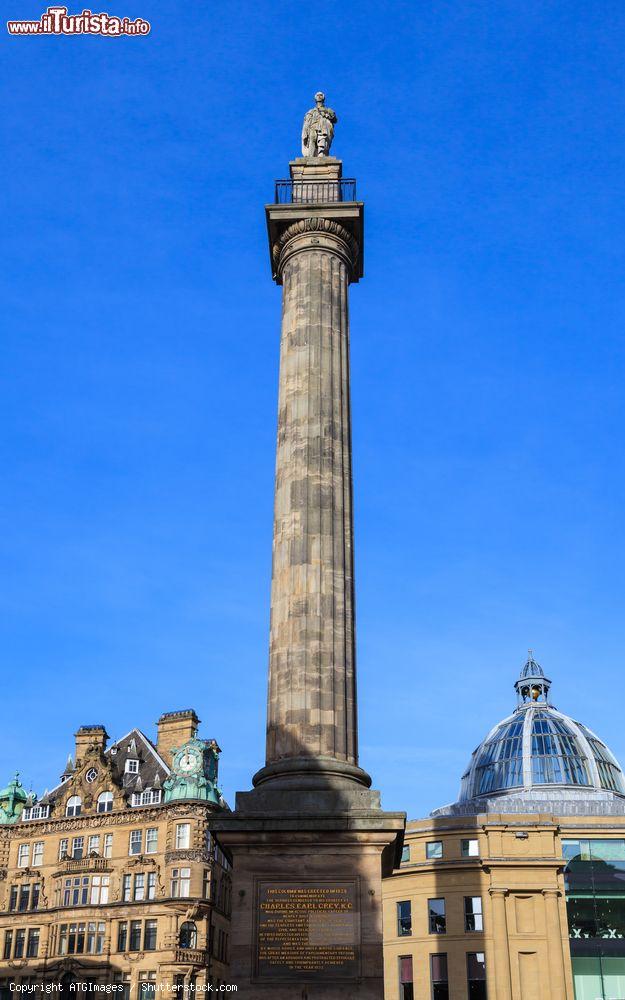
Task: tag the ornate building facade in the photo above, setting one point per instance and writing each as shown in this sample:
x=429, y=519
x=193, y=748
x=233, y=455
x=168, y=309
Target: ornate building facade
x=516, y=891
x=114, y=875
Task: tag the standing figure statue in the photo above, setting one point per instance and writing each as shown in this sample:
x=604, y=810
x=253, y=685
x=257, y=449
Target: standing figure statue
x=318, y=128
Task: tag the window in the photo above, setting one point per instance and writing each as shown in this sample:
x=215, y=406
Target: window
x=149, y=936
x=24, y=898
x=99, y=890
x=188, y=935
x=404, y=918
x=63, y=846
x=105, y=802
x=469, y=849
x=556, y=753
x=438, y=973
x=139, y=891
x=76, y=891
x=32, y=948
x=85, y=937
x=180, y=881
x=473, y=913
x=436, y=916
x=122, y=936
x=151, y=840
x=126, y=888
x=147, y=984
x=134, y=845
x=38, y=853
x=500, y=763
x=405, y=853
x=151, y=885
x=206, y=884
x=74, y=806
x=95, y=937
x=8, y=944
x=183, y=835
x=406, y=981
x=13, y=898
x=108, y=845
x=93, y=845
x=78, y=846
x=132, y=766
x=122, y=979
x=34, y=895
x=150, y=797
x=23, y=855
x=134, y=943
x=476, y=975
x=20, y=939
x=434, y=849
x=222, y=946
x=35, y=812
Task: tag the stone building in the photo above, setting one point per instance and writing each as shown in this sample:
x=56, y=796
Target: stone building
x=114, y=876
x=516, y=891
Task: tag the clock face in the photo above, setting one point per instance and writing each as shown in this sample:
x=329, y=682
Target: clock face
x=188, y=761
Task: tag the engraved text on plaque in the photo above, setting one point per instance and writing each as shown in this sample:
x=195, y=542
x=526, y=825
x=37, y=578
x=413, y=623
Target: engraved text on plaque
x=308, y=930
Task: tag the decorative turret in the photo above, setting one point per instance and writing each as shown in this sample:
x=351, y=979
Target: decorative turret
x=69, y=768
x=532, y=686
x=13, y=799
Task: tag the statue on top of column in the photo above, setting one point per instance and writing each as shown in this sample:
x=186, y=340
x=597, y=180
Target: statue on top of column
x=318, y=128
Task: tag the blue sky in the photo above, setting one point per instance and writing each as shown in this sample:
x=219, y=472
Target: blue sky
x=139, y=370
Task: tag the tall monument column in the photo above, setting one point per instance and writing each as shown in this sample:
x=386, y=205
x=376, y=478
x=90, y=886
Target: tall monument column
x=310, y=843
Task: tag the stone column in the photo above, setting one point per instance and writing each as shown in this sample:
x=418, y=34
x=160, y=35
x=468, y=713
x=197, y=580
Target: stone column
x=503, y=982
x=312, y=723
x=555, y=945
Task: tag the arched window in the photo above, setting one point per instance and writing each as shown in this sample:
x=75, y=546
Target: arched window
x=188, y=935
x=74, y=806
x=105, y=802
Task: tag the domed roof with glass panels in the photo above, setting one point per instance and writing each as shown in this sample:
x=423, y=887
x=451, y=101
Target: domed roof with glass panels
x=540, y=758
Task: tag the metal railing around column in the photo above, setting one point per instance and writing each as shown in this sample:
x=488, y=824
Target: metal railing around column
x=315, y=192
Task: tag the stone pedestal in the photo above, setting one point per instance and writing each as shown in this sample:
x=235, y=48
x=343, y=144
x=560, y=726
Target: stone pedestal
x=310, y=842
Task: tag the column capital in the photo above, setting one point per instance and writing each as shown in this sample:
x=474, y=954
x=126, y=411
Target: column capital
x=315, y=233
x=498, y=891
x=552, y=892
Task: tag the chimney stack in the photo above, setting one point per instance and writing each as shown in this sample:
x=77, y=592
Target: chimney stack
x=174, y=729
x=86, y=737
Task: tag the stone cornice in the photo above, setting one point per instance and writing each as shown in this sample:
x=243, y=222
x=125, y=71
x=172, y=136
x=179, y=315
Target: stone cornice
x=32, y=829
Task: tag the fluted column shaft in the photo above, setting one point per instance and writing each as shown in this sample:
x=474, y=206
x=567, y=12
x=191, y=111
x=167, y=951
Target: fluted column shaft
x=312, y=686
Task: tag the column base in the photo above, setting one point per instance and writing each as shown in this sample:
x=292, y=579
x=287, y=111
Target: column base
x=307, y=897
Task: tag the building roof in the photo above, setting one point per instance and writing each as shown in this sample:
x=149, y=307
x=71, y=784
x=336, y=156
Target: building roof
x=152, y=769
x=540, y=759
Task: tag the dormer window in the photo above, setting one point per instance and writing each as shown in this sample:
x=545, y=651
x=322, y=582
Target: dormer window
x=74, y=806
x=132, y=766
x=150, y=796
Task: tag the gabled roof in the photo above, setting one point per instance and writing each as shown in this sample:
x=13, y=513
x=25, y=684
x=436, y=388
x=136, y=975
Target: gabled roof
x=134, y=745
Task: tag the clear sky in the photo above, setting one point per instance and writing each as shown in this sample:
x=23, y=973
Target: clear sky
x=139, y=359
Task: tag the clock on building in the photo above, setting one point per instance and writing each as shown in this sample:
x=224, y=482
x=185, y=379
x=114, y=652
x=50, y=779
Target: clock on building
x=188, y=760
x=194, y=772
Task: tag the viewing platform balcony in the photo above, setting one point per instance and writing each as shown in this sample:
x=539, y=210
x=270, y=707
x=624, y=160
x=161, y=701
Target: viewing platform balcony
x=315, y=192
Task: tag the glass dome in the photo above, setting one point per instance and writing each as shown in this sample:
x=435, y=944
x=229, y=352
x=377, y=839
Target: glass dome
x=538, y=755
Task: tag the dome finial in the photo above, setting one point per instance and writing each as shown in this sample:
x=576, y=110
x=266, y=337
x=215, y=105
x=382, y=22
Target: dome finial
x=532, y=686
